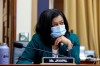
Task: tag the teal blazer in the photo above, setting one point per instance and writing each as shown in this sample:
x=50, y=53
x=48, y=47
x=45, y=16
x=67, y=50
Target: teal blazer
x=30, y=56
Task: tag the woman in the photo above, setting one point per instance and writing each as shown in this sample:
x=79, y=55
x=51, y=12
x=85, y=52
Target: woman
x=52, y=35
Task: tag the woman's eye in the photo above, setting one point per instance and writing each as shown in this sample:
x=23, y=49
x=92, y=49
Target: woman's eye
x=55, y=25
x=61, y=23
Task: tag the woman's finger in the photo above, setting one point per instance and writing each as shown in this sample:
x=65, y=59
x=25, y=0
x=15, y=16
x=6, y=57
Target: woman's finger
x=57, y=41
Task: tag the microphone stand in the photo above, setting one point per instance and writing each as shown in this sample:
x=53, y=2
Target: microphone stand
x=46, y=51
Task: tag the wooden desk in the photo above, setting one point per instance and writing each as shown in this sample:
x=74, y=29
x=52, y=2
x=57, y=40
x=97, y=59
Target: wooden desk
x=50, y=65
x=88, y=61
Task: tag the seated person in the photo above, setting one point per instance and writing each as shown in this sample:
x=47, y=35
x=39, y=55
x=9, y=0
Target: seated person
x=52, y=35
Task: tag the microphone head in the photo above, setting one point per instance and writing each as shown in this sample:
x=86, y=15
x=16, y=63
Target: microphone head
x=18, y=45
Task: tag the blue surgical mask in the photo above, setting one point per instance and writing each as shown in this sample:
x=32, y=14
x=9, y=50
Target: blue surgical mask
x=58, y=31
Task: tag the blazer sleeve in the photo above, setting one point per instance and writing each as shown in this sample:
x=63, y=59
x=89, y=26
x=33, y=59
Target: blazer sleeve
x=75, y=51
x=28, y=55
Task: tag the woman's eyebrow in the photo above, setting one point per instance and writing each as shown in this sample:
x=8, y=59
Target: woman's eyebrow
x=61, y=20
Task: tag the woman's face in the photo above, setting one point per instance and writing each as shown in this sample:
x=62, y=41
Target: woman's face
x=57, y=21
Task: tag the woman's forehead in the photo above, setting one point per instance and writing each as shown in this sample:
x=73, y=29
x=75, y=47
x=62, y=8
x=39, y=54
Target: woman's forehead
x=57, y=19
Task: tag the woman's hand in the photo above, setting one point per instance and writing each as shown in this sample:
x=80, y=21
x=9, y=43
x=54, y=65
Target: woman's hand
x=63, y=40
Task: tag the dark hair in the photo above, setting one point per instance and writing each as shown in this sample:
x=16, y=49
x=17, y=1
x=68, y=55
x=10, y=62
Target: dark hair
x=43, y=27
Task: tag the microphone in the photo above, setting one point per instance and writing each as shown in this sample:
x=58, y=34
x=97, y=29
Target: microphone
x=20, y=45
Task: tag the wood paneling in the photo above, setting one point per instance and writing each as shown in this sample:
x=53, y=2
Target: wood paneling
x=5, y=21
x=9, y=24
x=59, y=4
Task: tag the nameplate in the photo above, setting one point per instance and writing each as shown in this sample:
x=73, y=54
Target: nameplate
x=58, y=60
